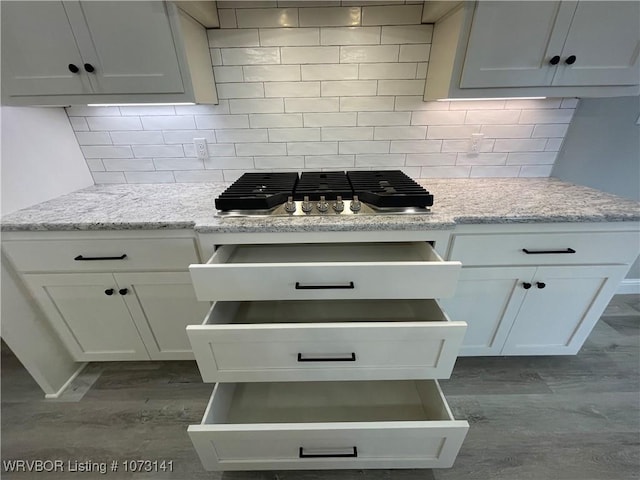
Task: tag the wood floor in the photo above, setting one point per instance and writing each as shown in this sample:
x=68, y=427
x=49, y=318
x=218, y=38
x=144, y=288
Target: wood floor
x=538, y=418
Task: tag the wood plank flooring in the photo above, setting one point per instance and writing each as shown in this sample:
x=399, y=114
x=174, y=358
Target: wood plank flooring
x=537, y=418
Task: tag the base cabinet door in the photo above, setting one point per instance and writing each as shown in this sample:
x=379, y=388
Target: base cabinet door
x=89, y=314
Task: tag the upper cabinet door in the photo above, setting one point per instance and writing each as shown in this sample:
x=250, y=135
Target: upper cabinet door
x=37, y=48
x=511, y=44
x=129, y=45
x=605, y=39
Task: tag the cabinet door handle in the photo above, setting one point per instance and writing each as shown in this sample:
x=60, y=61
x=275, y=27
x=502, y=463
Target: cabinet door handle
x=123, y=291
x=545, y=252
x=109, y=291
x=541, y=284
x=555, y=60
x=352, y=454
x=89, y=68
x=526, y=285
x=73, y=68
x=351, y=358
x=323, y=287
x=90, y=259
x=571, y=59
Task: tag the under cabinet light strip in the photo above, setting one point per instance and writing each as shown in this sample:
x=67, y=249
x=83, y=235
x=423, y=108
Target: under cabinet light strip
x=136, y=104
x=488, y=98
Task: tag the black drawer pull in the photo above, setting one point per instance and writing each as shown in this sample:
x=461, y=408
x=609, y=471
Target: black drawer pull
x=352, y=358
x=80, y=257
x=323, y=287
x=544, y=252
x=353, y=454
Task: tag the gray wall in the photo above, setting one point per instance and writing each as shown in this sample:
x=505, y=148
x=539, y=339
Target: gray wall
x=602, y=149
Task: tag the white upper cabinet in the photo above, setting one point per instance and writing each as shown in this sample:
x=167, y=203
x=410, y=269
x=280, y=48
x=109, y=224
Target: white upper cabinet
x=65, y=53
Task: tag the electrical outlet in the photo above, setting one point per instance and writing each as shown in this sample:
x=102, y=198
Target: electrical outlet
x=201, y=148
x=476, y=141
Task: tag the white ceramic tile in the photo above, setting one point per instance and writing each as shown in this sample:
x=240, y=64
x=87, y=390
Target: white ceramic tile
x=215, y=149
x=546, y=116
x=392, y=15
x=400, y=133
x=250, y=56
x=217, y=163
x=493, y=171
x=228, y=74
x=437, y=117
x=347, y=133
x=407, y=34
x=79, y=124
x=535, y=170
x=534, y=104
x=216, y=56
x=305, y=55
x=451, y=131
x=366, y=104
x=404, y=103
x=219, y=38
x=260, y=149
x=431, y=159
x=412, y=172
x=227, y=18
x=264, y=120
x=289, y=37
x=246, y=4
x=240, y=90
x=445, y=172
x=329, y=72
x=137, y=138
x=507, y=131
x=329, y=161
x=348, y=88
x=364, y=147
x=167, y=122
x=465, y=145
x=327, y=104
x=198, y=176
x=96, y=151
x=330, y=17
x=93, y=138
x=400, y=87
x=309, y=3
x=387, y=71
x=137, y=110
x=95, y=164
x=330, y=119
x=271, y=73
x=147, y=151
x=357, y=3
x=186, y=136
x=267, y=17
x=233, y=175
x=80, y=111
x=369, y=54
x=536, y=158
x=288, y=162
x=481, y=159
x=246, y=135
x=549, y=130
x=114, y=123
x=477, y=105
x=383, y=118
x=221, y=108
x=294, y=134
x=520, y=145
x=350, y=36
x=569, y=103
x=379, y=160
x=178, y=164
x=257, y=105
x=149, y=177
x=221, y=121
x=312, y=148
x=292, y=89
x=421, y=71
x=415, y=53
x=553, y=144
x=492, y=117
x=415, y=146
x=128, y=165
x=108, y=177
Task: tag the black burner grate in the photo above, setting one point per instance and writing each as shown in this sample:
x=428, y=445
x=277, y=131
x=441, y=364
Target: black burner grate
x=329, y=184
x=258, y=191
x=389, y=188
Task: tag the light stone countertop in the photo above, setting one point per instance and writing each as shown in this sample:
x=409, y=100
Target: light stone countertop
x=191, y=205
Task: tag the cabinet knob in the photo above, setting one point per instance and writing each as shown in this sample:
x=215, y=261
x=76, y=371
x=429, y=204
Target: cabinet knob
x=109, y=291
x=541, y=284
x=123, y=291
x=73, y=68
x=555, y=60
x=526, y=285
x=571, y=59
x=89, y=68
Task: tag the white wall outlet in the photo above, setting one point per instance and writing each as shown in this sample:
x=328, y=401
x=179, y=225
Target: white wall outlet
x=476, y=141
x=201, y=148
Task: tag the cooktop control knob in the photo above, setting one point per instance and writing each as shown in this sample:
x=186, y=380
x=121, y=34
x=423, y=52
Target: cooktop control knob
x=322, y=205
x=338, y=205
x=290, y=206
x=306, y=204
x=355, y=204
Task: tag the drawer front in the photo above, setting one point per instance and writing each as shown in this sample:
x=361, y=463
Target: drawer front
x=407, y=270
x=416, y=340
x=545, y=248
x=327, y=445
x=101, y=254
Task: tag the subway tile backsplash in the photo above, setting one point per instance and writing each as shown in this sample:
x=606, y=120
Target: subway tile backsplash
x=321, y=85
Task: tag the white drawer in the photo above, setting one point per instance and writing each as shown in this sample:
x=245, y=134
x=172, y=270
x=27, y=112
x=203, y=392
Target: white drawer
x=325, y=340
x=114, y=255
x=328, y=425
x=325, y=271
x=546, y=248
